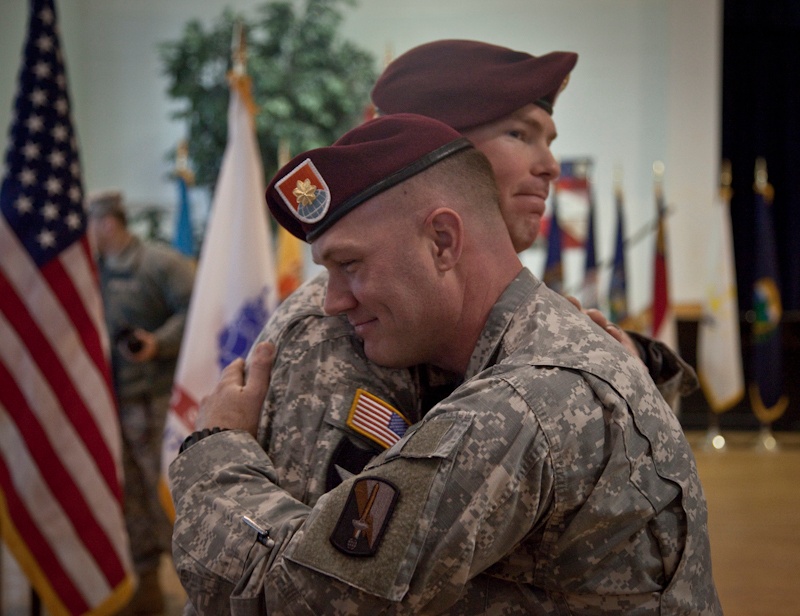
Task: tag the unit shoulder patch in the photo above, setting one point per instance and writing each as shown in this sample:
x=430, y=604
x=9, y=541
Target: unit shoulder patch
x=365, y=516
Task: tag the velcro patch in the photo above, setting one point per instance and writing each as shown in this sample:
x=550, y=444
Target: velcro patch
x=364, y=517
x=379, y=421
x=305, y=192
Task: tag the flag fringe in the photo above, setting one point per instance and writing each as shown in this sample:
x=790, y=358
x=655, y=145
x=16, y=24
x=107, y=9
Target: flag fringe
x=718, y=406
x=244, y=86
x=764, y=414
x=114, y=602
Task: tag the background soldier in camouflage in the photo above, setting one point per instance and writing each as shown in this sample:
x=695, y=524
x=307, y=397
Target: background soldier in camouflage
x=146, y=289
x=495, y=97
x=554, y=480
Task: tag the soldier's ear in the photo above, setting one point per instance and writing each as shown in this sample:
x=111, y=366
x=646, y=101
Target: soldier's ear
x=446, y=232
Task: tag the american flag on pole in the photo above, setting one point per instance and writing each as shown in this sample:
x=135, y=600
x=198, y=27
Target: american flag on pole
x=60, y=471
x=235, y=290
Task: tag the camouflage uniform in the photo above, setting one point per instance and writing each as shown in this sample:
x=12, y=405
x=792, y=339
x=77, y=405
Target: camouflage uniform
x=321, y=367
x=147, y=286
x=319, y=371
x=555, y=480
x=671, y=374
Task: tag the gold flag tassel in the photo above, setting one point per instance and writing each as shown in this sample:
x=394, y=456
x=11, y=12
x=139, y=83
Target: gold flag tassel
x=766, y=415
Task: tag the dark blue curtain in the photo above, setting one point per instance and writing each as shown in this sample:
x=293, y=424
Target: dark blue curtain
x=761, y=118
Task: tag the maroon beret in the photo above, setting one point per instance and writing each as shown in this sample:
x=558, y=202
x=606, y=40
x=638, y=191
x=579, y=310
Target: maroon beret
x=467, y=83
x=317, y=188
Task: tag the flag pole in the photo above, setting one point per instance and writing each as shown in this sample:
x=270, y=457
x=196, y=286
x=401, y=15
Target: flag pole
x=226, y=313
x=237, y=76
x=239, y=48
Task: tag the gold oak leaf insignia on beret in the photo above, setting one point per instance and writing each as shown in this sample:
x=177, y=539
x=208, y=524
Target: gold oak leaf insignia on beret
x=305, y=192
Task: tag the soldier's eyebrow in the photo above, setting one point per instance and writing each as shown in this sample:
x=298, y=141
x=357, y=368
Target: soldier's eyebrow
x=333, y=252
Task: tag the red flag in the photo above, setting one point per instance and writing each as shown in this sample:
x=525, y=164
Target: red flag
x=60, y=451
x=664, y=327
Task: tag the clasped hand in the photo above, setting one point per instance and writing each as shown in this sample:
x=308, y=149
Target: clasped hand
x=237, y=399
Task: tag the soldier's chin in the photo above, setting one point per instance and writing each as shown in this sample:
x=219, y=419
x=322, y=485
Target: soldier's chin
x=380, y=355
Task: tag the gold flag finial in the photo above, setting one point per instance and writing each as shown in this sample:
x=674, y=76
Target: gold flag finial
x=658, y=177
x=182, y=163
x=237, y=76
x=284, y=154
x=239, y=48
x=388, y=55
x=761, y=185
x=725, y=180
x=618, y=180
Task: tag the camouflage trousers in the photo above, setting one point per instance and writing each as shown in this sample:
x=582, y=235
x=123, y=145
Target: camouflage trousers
x=149, y=528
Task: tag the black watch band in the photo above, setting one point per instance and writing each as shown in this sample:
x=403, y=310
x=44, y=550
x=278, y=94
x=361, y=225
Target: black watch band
x=198, y=436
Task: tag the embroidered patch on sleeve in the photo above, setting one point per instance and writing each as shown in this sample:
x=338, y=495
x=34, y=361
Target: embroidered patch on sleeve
x=379, y=421
x=364, y=517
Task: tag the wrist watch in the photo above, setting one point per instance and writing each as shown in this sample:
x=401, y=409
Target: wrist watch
x=198, y=436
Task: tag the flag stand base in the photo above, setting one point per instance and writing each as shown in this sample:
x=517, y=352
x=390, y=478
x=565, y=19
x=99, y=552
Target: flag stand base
x=714, y=441
x=766, y=441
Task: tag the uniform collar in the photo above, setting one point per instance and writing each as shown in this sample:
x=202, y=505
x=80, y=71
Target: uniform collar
x=489, y=349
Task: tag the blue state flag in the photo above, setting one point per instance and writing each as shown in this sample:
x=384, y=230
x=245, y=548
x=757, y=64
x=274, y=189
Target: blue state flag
x=589, y=295
x=766, y=382
x=183, y=240
x=618, y=287
x=553, y=268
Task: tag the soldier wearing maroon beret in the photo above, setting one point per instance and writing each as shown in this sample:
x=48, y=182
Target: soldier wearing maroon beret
x=502, y=100
x=554, y=480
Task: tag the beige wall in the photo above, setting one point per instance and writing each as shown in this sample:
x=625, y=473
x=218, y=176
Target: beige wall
x=646, y=88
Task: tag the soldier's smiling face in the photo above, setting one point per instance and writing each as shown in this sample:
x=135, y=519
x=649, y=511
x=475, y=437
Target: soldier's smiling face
x=383, y=278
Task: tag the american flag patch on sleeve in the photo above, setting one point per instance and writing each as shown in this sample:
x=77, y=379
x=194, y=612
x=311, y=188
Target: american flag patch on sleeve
x=379, y=421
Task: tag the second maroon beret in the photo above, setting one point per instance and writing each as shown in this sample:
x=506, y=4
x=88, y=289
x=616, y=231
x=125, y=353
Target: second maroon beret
x=468, y=83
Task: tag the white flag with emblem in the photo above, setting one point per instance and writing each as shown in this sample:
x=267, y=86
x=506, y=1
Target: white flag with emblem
x=719, y=356
x=235, y=290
